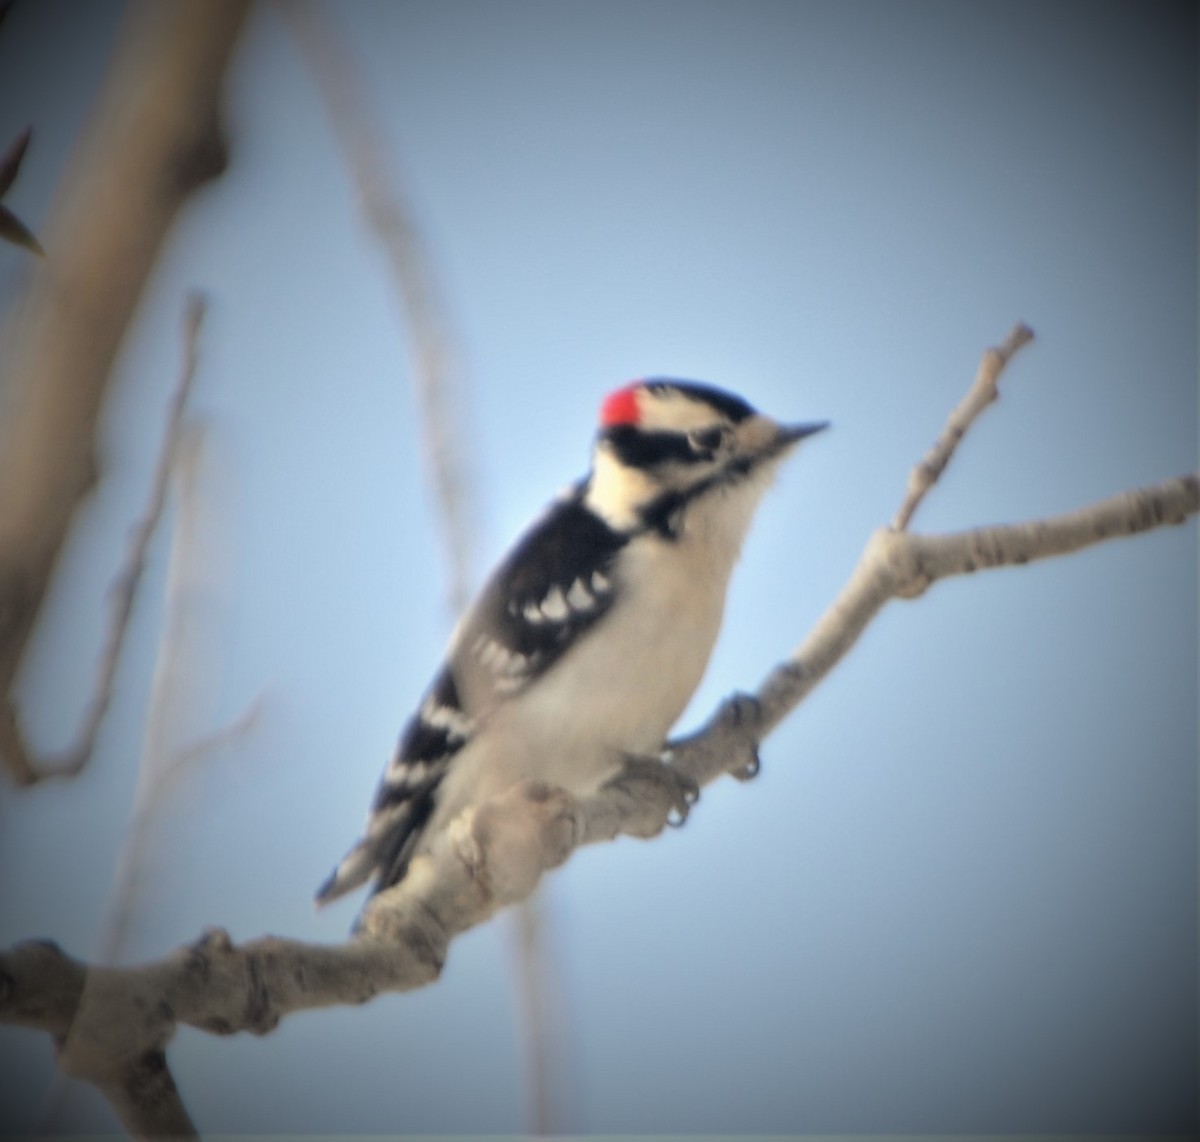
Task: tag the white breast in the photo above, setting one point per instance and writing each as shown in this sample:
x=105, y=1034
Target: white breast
x=620, y=689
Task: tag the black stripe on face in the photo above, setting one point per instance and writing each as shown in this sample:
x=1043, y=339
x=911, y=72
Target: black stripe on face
x=639, y=449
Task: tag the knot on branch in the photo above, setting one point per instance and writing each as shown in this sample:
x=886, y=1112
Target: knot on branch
x=396, y=917
x=489, y=857
x=1149, y=510
x=215, y=961
x=120, y=1022
x=895, y=557
x=511, y=840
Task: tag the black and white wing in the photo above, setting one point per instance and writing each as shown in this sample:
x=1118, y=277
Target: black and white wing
x=404, y=798
x=555, y=584
x=552, y=587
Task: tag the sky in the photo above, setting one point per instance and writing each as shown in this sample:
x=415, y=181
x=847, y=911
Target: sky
x=962, y=895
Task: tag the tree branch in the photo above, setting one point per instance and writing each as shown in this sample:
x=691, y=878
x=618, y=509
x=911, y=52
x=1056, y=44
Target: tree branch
x=114, y=1024
x=982, y=392
x=438, y=388
x=900, y=565
x=129, y=578
x=154, y=138
x=162, y=765
x=436, y=379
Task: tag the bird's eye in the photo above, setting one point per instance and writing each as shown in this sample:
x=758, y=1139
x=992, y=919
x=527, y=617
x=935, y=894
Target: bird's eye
x=707, y=440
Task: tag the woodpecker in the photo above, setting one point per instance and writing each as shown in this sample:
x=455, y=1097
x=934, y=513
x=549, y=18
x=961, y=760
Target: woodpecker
x=590, y=637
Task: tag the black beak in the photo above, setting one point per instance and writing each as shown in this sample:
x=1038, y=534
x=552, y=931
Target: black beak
x=791, y=433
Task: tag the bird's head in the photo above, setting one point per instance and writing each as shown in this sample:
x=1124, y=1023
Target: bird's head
x=663, y=443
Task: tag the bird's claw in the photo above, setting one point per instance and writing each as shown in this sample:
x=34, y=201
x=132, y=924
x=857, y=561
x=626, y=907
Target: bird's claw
x=749, y=769
x=744, y=710
x=650, y=777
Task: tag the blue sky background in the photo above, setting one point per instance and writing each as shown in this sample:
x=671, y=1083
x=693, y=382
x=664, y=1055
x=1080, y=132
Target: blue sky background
x=963, y=894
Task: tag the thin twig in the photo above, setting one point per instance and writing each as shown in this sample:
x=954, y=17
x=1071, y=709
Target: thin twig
x=978, y=397
x=154, y=138
x=435, y=371
x=116, y=1023
x=129, y=578
x=162, y=715
x=159, y=768
x=438, y=387
x=543, y=1024
x=72, y=761
x=162, y=764
x=217, y=739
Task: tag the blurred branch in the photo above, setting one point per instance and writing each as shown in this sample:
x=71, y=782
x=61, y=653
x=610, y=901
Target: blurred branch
x=209, y=743
x=160, y=767
x=900, y=565
x=125, y=586
x=117, y=1022
x=390, y=217
x=543, y=1021
x=154, y=138
x=438, y=386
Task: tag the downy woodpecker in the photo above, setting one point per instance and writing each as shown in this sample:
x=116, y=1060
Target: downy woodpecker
x=591, y=636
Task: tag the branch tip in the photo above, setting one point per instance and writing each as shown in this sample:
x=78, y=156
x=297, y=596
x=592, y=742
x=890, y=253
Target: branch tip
x=406, y=930
x=983, y=392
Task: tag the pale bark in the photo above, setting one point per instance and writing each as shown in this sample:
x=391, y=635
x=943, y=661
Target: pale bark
x=114, y=1024
x=154, y=138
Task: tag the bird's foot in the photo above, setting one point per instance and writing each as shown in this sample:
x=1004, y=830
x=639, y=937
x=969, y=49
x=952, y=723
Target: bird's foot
x=651, y=781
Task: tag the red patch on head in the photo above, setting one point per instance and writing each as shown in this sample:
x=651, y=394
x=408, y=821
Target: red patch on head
x=620, y=407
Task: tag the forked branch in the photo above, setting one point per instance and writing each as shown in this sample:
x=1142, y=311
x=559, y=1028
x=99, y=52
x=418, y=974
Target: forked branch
x=154, y=137
x=114, y=1024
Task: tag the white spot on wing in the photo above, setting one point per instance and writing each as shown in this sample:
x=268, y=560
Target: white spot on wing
x=600, y=583
x=579, y=597
x=532, y=613
x=401, y=774
x=554, y=605
x=444, y=717
x=500, y=660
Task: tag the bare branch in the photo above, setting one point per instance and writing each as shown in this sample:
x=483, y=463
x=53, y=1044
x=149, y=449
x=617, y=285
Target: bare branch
x=160, y=768
x=434, y=361
x=116, y=1022
x=161, y=765
x=979, y=396
x=438, y=385
x=154, y=138
x=125, y=586
x=218, y=739
x=58, y=991
x=900, y=565
x=542, y=1023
